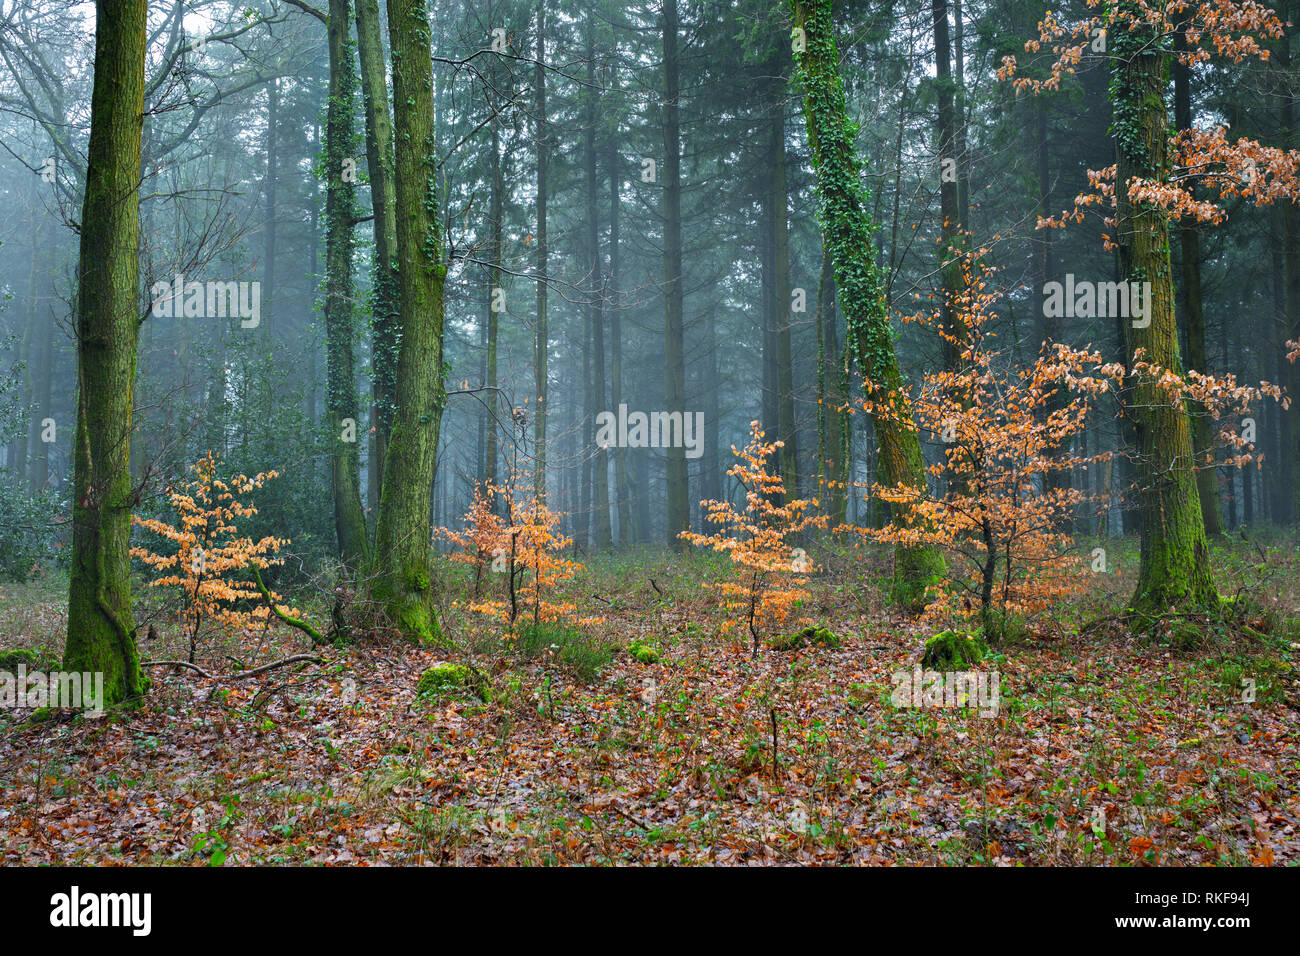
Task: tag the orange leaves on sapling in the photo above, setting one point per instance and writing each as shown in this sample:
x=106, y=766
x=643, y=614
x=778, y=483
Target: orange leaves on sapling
x=207, y=552
x=771, y=573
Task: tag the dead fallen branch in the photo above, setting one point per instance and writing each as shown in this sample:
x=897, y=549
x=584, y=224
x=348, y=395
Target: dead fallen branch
x=252, y=672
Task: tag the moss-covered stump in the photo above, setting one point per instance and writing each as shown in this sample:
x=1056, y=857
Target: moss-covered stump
x=809, y=635
x=643, y=653
x=442, y=679
x=953, y=651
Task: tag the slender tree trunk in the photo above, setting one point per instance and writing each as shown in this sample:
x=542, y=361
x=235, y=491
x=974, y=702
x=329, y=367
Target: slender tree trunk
x=621, y=478
x=782, y=313
x=678, y=512
x=385, y=288
x=831, y=477
x=1291, y=256
x=847, y=229
x=340, y=320
x=402, y=580
x=711, y=472
x=771, y=405
x=959, y=75
x=101, y=632
x=1050, y=327
x=949, y=177
x=599, y=464
x=541, y=349
x=26, y=393
x=44, y=379
x=495, y=297
x=270, y=223
x=1174, y=570
x=586, y=436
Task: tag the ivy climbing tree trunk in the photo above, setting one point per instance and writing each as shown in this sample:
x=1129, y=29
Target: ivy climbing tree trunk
x=385, y=291
x=847, y=231
x=101, y=633
x=1174, y=569
x=401, y=579
x=340, y=321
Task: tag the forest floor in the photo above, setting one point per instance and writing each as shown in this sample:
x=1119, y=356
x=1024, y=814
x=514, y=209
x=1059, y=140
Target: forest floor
x=1107, y=748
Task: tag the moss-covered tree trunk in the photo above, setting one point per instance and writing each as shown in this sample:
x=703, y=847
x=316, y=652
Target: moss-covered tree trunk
x=101, y=633
x=1207, y=479
x=340, y=320
x=402, y=582
x=847, y=231
x=383, y=201
x=1174, y=569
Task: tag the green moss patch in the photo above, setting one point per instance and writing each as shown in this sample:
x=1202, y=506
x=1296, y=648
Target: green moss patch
x=953, y=651
x=642, y=652
x=443, y=679
x=809, y=635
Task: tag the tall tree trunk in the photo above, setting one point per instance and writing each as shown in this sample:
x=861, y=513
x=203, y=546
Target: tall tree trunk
x=711, y=469
x=101, y=632
x=771, y=405
x=782, y=313
x=832, y=481
x=44, y=379
x=1207, y=478
x=847, y=230
x=1050, y=328
x=402, y=582
x=385, y=288
x=950, y=175
x=585, y=433
x=1291, y=256
x=596, y=310
x=19, y=447
x=541, y=349
x=496, y=212
x=340, y=321
x=1174, y=570
x=678, y=512
x=959, y=75
x=269, y=236
x=621, y=479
